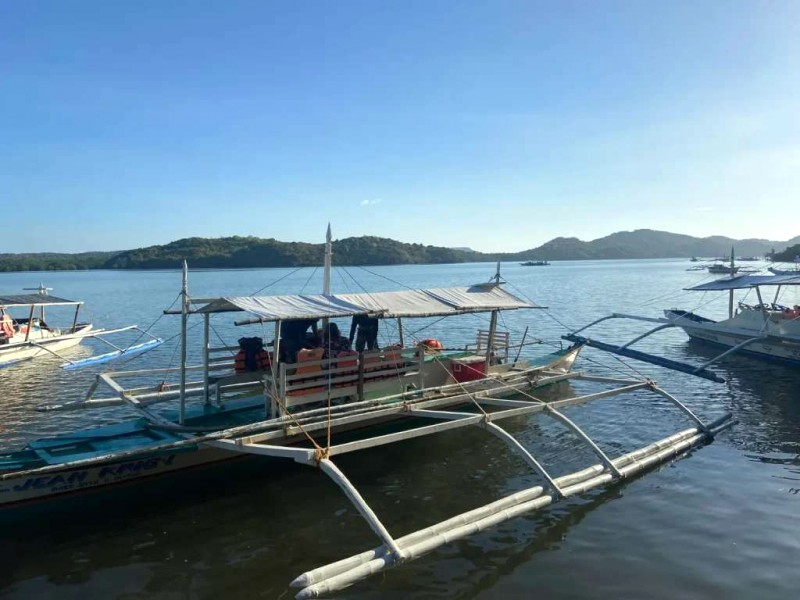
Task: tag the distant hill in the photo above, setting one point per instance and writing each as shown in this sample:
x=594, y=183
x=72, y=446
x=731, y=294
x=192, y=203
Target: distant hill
x=244, y=252
x=646, y=243
x=54, y=261
x=787, y=255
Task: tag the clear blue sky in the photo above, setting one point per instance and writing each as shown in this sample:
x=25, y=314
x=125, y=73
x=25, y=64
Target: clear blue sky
x=496, y=125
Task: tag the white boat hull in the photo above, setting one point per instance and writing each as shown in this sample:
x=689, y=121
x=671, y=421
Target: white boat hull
x=779, y=344
x=18, y=349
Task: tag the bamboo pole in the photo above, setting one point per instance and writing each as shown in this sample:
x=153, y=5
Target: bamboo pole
x=335, y=576
x=184, y=317
x=206, y=355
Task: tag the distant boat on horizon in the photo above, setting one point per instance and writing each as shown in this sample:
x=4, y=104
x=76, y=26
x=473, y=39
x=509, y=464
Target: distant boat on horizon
x=535, y=263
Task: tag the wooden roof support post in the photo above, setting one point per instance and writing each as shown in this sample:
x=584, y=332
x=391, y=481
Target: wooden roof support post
x=490, y=342
x=75, y=319
x=206, y=326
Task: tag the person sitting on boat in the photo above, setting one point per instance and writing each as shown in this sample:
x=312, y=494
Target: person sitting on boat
x=367, y=332
x=251, y=356
x=293, y=337
x=6, y=328
x=333, y=341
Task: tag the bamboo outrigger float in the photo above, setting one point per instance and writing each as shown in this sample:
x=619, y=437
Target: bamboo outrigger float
x=299, y=411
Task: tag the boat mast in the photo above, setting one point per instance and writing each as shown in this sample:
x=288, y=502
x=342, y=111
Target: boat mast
x=326, y=281
x=492, y=327
x=326, y=272
x=496, y=278
x=730, y=292
x=184, y=318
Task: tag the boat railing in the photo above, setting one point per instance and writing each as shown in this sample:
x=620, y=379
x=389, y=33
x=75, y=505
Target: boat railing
x=500, y=346
x=344, y=376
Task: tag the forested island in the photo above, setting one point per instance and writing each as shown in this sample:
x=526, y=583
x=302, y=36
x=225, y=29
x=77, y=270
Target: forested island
x=788, y=255
x=254, y=252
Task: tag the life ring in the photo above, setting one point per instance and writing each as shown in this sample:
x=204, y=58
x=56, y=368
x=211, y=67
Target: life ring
x=431, y=345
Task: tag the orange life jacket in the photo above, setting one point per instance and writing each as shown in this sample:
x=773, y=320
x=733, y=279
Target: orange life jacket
x=308, y=355
x=263, y=359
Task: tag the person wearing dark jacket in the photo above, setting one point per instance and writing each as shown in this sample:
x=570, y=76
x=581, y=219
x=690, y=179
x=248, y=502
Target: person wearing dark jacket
x=367, y=332
x=293, y=337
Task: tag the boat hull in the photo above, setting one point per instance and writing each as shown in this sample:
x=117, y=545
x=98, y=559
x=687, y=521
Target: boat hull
x=768, y=350
x=26, y=490
x=18, y=351
x=70, y=481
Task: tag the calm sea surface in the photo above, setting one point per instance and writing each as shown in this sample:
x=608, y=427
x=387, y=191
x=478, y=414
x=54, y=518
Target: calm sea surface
x=723, y=521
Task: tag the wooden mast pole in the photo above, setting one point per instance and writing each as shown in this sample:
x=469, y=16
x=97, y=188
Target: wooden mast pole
x=326, y=273
x=184, y=319
x=326, y=281
x=730, y=292
x=492, y=328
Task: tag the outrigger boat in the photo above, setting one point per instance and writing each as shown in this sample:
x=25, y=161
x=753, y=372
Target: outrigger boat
x=28, y=335
x=765, y=329
x=535, y=263
x=300, y=410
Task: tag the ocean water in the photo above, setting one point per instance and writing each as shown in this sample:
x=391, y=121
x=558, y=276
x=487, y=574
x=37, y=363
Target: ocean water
x=722, y=521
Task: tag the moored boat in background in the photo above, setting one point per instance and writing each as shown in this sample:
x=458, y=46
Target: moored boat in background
x=27, y=335
x=535, y=263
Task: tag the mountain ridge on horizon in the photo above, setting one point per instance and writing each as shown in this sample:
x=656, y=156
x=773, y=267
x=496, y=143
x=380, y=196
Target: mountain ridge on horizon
x=254, y=252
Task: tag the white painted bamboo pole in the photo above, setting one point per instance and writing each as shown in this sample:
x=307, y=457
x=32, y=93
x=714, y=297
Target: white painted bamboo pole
x=681, y=406
x=206, y=355
x=586, y=439
x=424, y=546
x=184, y=318
x=514, y=444
x=332, y=471
x=343, y=573
x=341, y=566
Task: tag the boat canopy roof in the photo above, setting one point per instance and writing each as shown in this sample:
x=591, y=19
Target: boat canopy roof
x=405, y=303
x=35, y=300
x=745, y=281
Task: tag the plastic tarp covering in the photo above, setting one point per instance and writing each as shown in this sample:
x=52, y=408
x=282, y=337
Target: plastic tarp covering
x=283, y=308
x=28, y=299
x=479, y=297
x=745, y=281
x=407, y=303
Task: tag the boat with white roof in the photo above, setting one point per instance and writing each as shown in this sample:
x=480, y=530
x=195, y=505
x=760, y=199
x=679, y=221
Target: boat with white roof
x=26, y=334
x=246, y=400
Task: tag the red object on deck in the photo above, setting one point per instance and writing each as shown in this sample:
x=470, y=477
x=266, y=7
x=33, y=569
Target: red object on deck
x=468, y=368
